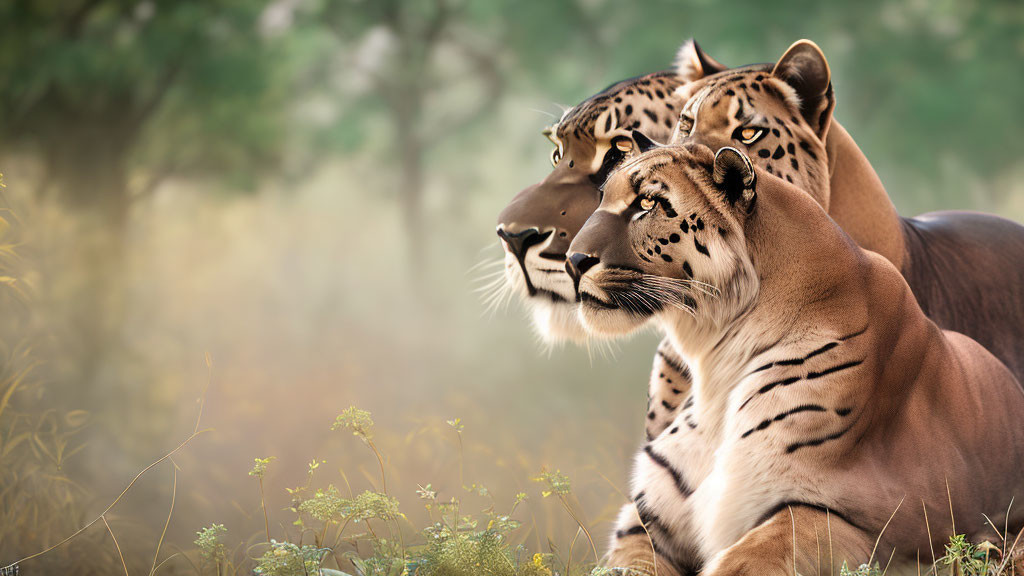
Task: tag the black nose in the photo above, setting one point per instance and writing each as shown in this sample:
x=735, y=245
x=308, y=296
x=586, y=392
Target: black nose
x=577, y=265
x=520, y=242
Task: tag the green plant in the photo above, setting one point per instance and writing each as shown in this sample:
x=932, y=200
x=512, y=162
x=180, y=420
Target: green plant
x=259, y=470
x=287, y=559
x=211, y=549
x=361, y=424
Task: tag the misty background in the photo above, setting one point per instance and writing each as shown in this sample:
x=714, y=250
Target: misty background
x=307, y=191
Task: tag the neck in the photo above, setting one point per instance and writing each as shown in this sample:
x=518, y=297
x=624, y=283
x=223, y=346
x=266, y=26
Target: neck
x=858, y=201
x=785, y=309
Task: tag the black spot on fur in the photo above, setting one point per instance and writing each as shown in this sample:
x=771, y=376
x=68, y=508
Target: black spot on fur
x=700, y=224
x=651, y=115
x=687, y=270
x=674, y=430
x=794, y=163
x=673, y=237
x=663, y=241
x=657, y=249
x=807, y=148
x=779, y=153
x=629, y=109
x=685, y=227
x=776, y=132
x=700, y=247
x=666, y=257
x=730, y=92
x=764, y=153
x=790, y=148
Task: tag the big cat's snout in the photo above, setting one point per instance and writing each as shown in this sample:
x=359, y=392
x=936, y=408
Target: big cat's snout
x=577, y=264
x=519, y=242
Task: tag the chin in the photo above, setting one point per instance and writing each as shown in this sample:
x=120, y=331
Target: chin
x=556, y=323
x=552, y=305
x=601, y=319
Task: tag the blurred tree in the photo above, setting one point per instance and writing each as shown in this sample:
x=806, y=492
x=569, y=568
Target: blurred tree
x=435, y=68
x=103, y=90
x=113, y=96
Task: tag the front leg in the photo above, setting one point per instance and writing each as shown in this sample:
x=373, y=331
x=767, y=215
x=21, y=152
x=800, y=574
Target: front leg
x=633, y=553
x=669, y=386
x=818, y=544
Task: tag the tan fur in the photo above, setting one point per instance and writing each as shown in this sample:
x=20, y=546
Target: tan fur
x=953, y=261
x=817, y=379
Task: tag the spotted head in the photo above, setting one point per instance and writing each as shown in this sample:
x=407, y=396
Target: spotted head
x=667, y=239
x=778, y=114
x=590, y=140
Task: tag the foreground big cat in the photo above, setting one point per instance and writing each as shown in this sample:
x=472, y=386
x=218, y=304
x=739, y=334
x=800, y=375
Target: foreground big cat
x=822, y=395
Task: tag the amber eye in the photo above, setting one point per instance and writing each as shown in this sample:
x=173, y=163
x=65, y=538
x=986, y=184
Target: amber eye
x=647, y=204
x=748, y=135
x=556, y=156
x=623, y=144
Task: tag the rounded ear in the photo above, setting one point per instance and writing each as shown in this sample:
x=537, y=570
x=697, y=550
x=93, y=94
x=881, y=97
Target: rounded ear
x=805, y=69
x=734, y=176
x=643, y=143
x=693, y=64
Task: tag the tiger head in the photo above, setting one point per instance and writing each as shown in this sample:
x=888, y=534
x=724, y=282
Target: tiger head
x=668, y=238
x=590, y=140
x=778, y=114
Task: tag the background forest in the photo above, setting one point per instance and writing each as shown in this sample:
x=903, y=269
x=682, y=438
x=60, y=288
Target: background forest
x=305, y=192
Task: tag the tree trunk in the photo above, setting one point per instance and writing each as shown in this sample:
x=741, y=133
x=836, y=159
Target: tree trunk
x=89, y=167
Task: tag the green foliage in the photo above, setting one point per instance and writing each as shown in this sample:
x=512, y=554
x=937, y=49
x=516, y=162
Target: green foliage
x=287, y=559
x=356, y=420
x=456, y=543
x=326, y=505
x=370, y=505
x=208, y=541
x=557, y=483
x=969, y=559
x=260, y=468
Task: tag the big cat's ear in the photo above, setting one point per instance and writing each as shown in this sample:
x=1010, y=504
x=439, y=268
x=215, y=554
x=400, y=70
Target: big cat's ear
x=805, y=69
x=643, y=143
x=734, y=176
x=693, y=64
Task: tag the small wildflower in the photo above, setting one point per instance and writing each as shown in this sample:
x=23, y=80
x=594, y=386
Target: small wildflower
x=426, y=492
x=260, y=469
x=314, y=464
x=359, y=421
x=457, y=424
x=326, y=505
x=557, y=483
x=287, y=559
x=373, y=505
x=209, y=544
